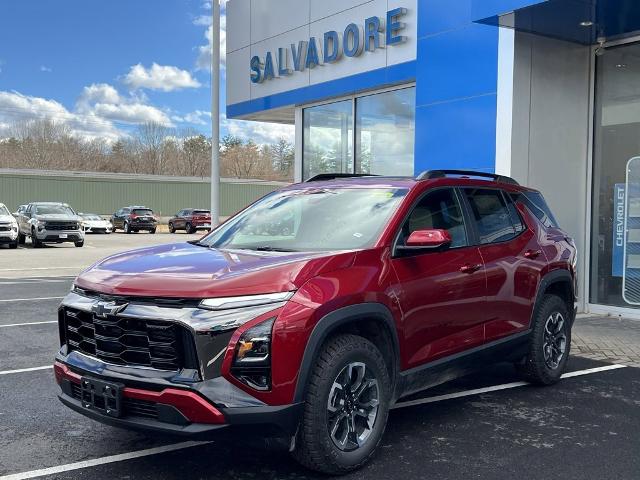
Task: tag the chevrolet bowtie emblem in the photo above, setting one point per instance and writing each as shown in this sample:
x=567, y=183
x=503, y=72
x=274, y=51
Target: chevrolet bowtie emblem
x=102, y=309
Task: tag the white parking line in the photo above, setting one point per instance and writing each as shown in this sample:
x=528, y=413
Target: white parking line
x=24, y=370
x=180, y=446
x=27, y=323
x=104, y=460
x=495, y=388
x=29, y=299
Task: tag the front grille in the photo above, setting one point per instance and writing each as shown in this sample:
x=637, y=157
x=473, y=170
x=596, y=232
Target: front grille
x=57, y=226
x=5, y=228
x=130, y=406
x=127, y=341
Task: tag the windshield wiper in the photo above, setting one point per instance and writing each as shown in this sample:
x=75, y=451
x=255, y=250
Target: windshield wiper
x=267, y=248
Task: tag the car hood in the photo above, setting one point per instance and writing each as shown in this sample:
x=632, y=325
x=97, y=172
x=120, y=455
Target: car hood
x=190, y=271
x=58, y=218
x=7, y=219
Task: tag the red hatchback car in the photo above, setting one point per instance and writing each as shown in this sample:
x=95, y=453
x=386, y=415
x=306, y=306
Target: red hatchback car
x=370, y=289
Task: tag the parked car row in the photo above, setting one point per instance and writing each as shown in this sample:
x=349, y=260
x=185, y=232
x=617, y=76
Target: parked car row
x=56, y=222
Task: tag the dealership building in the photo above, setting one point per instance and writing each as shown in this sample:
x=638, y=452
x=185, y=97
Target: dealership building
x=546, y=91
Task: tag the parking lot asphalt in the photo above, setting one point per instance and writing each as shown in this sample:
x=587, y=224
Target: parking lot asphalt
x=487, y=426
x=65, y=259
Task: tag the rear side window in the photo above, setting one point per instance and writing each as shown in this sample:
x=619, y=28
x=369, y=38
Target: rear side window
x=536, y=203
x=142, y=211
x=491, y=215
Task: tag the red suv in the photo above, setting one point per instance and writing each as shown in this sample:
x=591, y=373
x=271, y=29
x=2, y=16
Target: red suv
x=378, y=288
x=191, y=220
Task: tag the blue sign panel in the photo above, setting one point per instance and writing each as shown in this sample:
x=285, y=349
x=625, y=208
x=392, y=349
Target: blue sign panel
x=617, y=253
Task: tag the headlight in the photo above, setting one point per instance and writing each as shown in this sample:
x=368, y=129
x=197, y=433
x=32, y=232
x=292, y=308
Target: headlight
x=14, y=227
x=226, y=303
x=252, y=360
x=41, y=224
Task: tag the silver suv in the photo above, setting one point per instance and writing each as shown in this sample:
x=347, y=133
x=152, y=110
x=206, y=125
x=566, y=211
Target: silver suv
x=50, y=222
x=8, y=228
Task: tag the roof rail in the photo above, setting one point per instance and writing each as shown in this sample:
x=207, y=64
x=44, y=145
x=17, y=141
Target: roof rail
x=431, y=174
x=321, y=177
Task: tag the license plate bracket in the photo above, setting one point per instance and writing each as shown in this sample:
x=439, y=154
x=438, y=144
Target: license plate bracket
x=63, y=235
x=101, y=396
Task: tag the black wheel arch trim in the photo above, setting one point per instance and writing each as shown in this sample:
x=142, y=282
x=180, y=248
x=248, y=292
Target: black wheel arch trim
x=332, y=321
x=553, y=277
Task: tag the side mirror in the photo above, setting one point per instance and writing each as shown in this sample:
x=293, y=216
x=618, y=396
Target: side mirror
x=426, y=240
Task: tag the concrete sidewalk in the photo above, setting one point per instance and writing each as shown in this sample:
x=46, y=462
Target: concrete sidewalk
x=607, y=338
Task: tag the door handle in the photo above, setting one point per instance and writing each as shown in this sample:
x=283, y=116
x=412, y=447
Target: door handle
x=532, y=253
x=470, y=268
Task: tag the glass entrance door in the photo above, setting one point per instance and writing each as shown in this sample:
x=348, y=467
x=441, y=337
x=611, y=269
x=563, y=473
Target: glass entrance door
x=615, y=242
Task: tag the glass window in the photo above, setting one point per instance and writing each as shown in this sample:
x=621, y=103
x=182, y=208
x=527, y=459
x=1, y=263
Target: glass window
x=616, y=222
x=4, y=211
x=142, y=211
x=536, y=203
x=328, y=139
x=490, y=212
x=437, y=210
x=53, y=210
x=385, y=133
x=310, y=220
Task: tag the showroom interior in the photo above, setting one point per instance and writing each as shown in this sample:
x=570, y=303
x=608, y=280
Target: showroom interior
x=546, y=91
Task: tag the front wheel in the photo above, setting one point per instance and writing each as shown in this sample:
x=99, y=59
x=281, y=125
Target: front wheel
x=189, y=228
x=127, y=227
x=346, y=406
x=13, y=245
x=21, y=238
x=35, y=243
x=550, y=342
x=172, y=229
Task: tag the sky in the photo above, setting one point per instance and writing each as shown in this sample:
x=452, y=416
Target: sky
x=103, y=67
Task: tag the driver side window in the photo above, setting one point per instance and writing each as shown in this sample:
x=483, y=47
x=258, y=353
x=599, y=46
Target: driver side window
x=440, y=210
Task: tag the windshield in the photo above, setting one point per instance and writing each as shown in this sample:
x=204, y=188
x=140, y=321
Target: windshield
x=92, y=217
x=201, y=212
x=310, y=220
x=142, y=211
x=53, y=210
x=3, y=210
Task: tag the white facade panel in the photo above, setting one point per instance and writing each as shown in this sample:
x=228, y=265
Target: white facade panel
x=239, y=90
x=278, y=24
x=408, y=50
x=325, y=8
x=278, y=84
x=238, y=22
x=273, y=17
x=349, y=66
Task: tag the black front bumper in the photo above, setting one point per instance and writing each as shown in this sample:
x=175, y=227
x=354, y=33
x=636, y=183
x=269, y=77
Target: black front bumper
x=237, y=407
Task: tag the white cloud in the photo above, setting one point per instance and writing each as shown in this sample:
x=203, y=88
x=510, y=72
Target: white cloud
x=103, y=100
x=260, y=132
x=16, y=108
x=44, y=68
x=203, y=61
x=159, y=77
x=197, y=117
x=203, y=20
x=206, y=5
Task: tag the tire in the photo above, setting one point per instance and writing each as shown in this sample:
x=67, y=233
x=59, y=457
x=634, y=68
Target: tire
x=21, y=238
x=189, y=228
x=13, y=245
x=127, y=228
x=316, y=447
x=35, y=243
x=171, y=228
x=79, y=244
x=152, y=231
x=548, y=352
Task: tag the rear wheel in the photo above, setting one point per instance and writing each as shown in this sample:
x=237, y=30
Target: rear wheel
x=79, y=244
x=152, y=231
x=550, y=342
x=346, y=406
